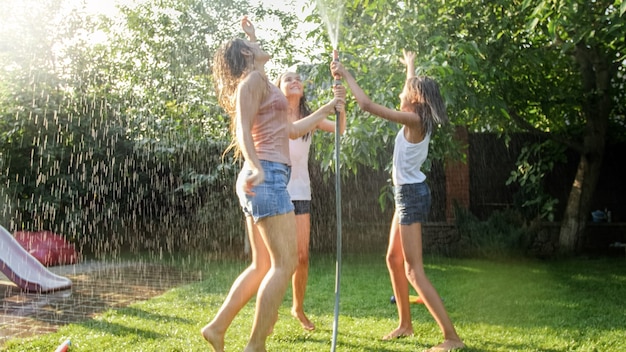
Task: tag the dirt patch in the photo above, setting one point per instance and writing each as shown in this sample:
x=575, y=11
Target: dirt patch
x=96, y=287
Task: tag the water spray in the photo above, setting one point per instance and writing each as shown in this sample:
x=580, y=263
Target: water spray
x=337, y=82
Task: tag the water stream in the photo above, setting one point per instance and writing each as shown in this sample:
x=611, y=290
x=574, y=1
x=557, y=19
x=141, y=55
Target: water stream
x=331, y=12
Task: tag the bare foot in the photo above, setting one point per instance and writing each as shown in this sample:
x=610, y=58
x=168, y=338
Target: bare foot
x=304, y=321
x=447, y=345
x=215, y=339
x=399, y=333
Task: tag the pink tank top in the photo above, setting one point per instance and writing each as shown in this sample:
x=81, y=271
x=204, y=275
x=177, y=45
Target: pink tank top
x=269, y=130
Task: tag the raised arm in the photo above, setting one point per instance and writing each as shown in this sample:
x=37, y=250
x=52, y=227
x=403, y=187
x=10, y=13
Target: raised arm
x=409, y=61
x=303, y=126
x=366, y=104
x=330, y=125
x=248, y=28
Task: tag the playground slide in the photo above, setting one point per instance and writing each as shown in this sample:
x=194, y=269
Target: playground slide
x=25, y=270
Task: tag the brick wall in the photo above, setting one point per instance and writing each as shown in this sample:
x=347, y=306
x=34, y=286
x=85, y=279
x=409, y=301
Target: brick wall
x=457, y=176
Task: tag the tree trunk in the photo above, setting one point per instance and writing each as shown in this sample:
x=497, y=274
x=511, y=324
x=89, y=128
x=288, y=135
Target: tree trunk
x=596, y=75
x=571, y=237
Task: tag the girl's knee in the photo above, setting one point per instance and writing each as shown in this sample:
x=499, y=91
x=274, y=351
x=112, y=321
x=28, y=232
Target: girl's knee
x=260, y=268
x=303, y=259
x=416, y=271
x=287, y=262
x=394, y=260
x=292, y=265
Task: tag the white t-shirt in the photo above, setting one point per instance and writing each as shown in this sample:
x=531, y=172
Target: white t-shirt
x=408, y=159
x=299, y=186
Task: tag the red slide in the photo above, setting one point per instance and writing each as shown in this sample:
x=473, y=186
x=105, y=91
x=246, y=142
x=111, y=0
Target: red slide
x=25, y=270
x=49, y=248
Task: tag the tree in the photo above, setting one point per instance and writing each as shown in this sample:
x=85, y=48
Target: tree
x=592, y=34
x=554, y=68
x=109, y=123
x=57, y=131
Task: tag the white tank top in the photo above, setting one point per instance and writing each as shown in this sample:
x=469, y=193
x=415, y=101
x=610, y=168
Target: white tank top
x=299, y=186
x=408, y=159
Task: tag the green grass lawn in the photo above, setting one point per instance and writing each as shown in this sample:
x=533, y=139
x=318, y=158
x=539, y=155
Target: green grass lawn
x=521, y=305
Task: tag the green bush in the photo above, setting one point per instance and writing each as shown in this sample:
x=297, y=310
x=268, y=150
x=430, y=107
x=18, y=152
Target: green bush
x=503, y=234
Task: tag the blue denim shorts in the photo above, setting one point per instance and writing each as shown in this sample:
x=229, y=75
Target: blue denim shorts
x=412, y=202
x=302, y=206
x=271, y=197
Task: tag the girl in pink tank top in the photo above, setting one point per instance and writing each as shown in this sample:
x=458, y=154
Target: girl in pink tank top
x=269, y=131
x=260, y=131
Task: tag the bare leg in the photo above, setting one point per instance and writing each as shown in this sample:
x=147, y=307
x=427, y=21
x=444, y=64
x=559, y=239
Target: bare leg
x=280, y=239
x=242, y=290
x=399, y=283
x=301, y=276
x=412, y=246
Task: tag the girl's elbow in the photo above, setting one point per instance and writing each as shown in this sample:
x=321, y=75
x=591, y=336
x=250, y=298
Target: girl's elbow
x=365, y=105
x=293, y=133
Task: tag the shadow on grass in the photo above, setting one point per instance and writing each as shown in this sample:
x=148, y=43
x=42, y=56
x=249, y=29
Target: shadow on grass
x=132, y=314
x=512, y=305
x=119, y=330
x=593, y=292
x=563, y=302
x=515, y=305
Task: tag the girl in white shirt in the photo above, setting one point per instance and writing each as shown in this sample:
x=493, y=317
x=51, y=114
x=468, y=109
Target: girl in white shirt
x=421, y=109
x=299, y=186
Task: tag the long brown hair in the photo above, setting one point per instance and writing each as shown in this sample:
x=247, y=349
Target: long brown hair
x=230, y=67
x=424, y=91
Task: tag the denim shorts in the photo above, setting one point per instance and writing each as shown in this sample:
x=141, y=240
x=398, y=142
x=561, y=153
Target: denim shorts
x=412, y=202
x=271, y=197
x=302, y=206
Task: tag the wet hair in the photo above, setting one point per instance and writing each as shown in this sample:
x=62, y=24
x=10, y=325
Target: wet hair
x=303, y=106
x=430, y=106
x=230, y=66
